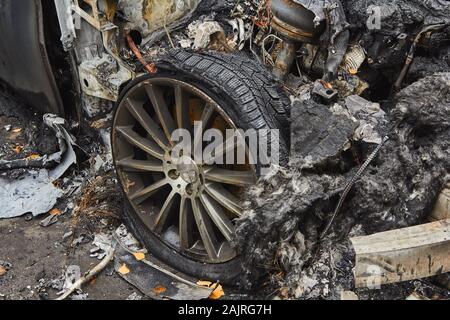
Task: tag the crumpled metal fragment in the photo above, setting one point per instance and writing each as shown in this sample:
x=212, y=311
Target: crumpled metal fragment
x=201, y=33
x=35, y=192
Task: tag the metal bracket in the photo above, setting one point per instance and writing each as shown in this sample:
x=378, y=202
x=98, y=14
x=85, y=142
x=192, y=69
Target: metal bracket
x=327, y=94
x=66, y=23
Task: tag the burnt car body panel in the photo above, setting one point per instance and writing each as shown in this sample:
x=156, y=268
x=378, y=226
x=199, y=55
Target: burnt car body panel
x=24, y=62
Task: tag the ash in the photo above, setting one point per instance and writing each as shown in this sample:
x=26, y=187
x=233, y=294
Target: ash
x=291, y=206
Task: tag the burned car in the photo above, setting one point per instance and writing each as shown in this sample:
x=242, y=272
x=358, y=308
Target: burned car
x=338, y=82
x=183, y=213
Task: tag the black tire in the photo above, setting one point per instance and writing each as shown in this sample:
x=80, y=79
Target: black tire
x=251, y=99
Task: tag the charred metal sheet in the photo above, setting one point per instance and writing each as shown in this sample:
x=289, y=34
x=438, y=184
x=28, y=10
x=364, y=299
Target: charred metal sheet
x=65, y=18
x=328, y=94
x=101, y=71
x=35, y=192
x=147, y=16
x=102, y=77
x=24, y=62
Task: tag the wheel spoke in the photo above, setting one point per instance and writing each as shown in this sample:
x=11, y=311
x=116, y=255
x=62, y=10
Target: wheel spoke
x=238, y=178
x=186, y=216
x=162, y=111
x=182, y=108
x=206, y=231
x=144, y=194
x=207, y=114
x=163, y=214
x=217, y=215
x=132, y=165
x=144, y=144
x=139, y=113
x=224, y=197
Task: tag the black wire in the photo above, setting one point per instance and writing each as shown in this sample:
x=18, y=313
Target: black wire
x=351, y=183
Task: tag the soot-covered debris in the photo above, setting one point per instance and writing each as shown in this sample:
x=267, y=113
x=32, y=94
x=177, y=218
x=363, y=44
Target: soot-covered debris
x=38, y=250
x=386, y=31
x=291, y=207
x=99, y=199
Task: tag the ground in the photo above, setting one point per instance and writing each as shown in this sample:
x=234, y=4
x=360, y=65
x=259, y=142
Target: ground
x=35, y=257
x=37, y=253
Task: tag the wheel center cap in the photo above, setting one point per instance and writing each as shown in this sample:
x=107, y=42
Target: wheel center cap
x=188, y=169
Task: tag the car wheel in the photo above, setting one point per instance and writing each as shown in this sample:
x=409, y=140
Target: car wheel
x=184, y=212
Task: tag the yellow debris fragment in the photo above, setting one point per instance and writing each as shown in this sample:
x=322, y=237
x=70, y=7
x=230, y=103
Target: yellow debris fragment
x=124, y=269
x=139, y=256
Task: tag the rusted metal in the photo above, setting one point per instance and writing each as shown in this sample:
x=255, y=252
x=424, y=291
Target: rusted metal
x=92, y=19
x=285, y=59
x=149, y=66
x=150, y=17
x=294, y=21
x=110, y=9
x=412, y=53
x=295, y=24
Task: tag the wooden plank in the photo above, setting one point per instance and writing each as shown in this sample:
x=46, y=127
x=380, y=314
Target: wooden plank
x=402, y=255
x=441, y=210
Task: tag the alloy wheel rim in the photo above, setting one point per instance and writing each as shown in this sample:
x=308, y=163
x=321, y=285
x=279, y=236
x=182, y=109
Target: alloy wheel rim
x=189, y=205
